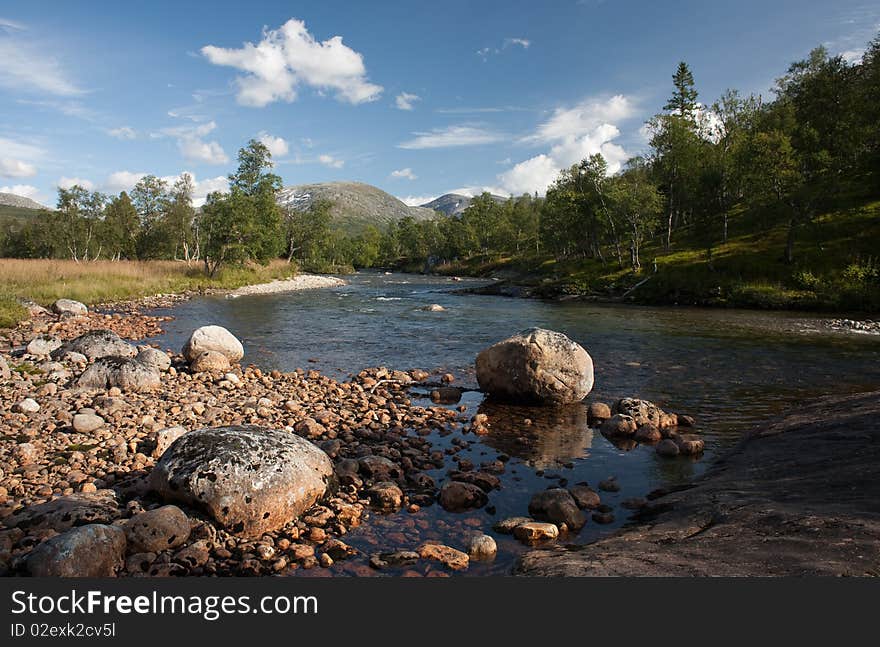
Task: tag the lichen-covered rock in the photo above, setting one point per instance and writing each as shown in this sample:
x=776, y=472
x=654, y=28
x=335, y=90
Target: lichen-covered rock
x=213, y=338
x=249, y=479
x=66, y=512
x=156, y=530
x=95, y=550
x=96, y=344
x=536, y=366
x=126, y=373
x=642, y=412
x=69, y=307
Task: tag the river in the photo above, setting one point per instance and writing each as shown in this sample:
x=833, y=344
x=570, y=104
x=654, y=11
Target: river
x=730, y=369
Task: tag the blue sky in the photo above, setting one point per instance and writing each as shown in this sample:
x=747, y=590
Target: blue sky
x=418, y=98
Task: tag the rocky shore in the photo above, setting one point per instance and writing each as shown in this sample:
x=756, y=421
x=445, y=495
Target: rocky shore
x=798, y=496
x=299, y=282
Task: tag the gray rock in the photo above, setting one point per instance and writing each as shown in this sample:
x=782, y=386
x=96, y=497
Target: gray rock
x=124, y=372
x=154, y=358
x=69, y=307
x=249, y=479
x=536, y=366
x=43, y=345
x=214, y=338
x=482, y=547
x=86, y=423
x=557, y=506
x=156, y=530
x=87, y=551
x=164, y=439
x=96, y=344
x=67, y=512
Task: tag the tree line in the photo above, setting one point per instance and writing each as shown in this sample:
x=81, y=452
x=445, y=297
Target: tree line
x=781, y=162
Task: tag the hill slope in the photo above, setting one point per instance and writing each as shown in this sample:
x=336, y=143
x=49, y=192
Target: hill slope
x=355, y=205
x=452, y=204
x=16, y=210
x=12, y=200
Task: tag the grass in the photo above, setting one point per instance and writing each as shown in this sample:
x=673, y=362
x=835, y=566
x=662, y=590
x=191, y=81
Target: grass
x=44, y=281
x=836, y=267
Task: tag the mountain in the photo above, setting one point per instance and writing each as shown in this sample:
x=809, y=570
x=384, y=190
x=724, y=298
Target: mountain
x=12, y=200
x=452, y=204
x=354, y=204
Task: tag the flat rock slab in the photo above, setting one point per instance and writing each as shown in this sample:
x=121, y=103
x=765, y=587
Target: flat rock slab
x=797, y=496
x=66, y=512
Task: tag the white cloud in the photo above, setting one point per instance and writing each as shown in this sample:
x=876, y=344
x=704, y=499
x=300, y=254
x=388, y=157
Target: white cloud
x=123, y=132
x=68, y=182
x=574, y=134
x=332, y=162
x=25, y=66
x=522, y=42
x=193, y=147
x=210, y=185
x=121, y=181
x=197, y=150
x=25, y=191
x=10, y=167
x=405, y=100
x=451, y=136
x=278, y=146
x=853, y=56
x=404, y=173
x=21, y=150
x=290, y=56
x=417, y=200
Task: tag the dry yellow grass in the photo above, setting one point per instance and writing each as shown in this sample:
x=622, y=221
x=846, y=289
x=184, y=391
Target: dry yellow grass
x=44, y=280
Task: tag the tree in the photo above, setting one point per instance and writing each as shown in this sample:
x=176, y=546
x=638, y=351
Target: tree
x=150, y=199
x=638, y=203
x=121, y=228
x=683, y=101
x=181, y=217
x=76, y=222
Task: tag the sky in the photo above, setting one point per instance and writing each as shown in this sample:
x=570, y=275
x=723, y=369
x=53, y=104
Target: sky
x=417, y=98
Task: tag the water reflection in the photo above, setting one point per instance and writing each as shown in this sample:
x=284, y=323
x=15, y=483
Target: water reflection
x=544, y=437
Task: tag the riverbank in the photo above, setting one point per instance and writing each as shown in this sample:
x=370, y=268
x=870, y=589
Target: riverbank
x=39, y=282
x=798, y=496
x=300, y=282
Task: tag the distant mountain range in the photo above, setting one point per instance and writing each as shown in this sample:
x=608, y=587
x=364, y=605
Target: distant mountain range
x=453, y=204
x=12, y=200
x=354, y=204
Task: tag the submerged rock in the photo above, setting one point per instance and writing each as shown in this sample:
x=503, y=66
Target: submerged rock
x=536, y=366
x=557, y=506
x=249, y=479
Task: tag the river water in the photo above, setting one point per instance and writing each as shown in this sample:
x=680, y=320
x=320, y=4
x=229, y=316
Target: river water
x=730, y=369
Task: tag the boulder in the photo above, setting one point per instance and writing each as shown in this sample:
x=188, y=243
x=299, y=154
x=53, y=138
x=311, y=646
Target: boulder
x=154, y=358
x=156, y=530
x=43, y=345
x=250, y=479
x=69, y=307
x=213, y=338
x=96, y=344
x=536, y=366
x=209, y=361
x=95, y=550
x=557, y=506
x=66, y=512
x=642, y=412
x=598, y=412
x=126, y=373
x=456, y=496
